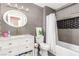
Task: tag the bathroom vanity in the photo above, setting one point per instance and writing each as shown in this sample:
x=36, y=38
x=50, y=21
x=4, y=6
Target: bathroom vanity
x=17, y=45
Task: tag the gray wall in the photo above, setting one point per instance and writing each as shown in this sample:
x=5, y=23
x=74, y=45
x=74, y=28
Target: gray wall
x=46, y=11
x=68, y=35
x=0, y=19
x=72, y=11
x=34, y=19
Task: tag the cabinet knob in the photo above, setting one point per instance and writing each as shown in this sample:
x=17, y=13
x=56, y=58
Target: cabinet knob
x=26, y=40
x=0, y=48
x=10, y=43
x=26, y=47
x=10, y=52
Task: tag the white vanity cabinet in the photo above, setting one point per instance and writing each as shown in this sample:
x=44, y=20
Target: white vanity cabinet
x=16, y=45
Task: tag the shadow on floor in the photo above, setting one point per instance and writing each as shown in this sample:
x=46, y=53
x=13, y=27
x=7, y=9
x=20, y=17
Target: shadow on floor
x=49, y=54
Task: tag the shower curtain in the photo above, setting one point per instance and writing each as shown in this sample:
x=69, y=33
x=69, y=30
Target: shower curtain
x=51, y=32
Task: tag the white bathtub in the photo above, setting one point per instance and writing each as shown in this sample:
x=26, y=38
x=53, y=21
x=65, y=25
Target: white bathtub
x=66, y=49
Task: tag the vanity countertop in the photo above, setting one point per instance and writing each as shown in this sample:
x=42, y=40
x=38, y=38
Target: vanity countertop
x=16, y=37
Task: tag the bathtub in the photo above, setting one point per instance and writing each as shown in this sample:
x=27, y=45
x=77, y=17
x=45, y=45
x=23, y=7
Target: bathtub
x=66, y=49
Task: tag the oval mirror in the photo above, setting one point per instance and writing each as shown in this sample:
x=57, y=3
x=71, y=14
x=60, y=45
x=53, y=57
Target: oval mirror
x=15, y=18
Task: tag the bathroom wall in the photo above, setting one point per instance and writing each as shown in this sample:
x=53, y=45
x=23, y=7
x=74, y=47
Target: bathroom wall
x=0, y=19
x=68, y=12
x=34, y=19
x=46, y=11
x=68, y=24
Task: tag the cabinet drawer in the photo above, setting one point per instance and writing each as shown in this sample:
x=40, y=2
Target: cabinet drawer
x=8, y=44
x=12, y=51
x=4, y=44
x=3, y=53
x=11, y=43
x=16, y=50
x=9, y=52
x=25, y=40
x=24, y=48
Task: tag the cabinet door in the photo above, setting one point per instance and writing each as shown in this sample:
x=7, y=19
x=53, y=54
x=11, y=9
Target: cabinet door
x=11, y=51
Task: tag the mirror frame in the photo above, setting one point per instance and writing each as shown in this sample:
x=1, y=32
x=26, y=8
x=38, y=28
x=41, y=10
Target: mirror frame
x=17, y=14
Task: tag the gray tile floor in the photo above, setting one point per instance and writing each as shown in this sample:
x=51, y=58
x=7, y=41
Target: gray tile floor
x=49, y=54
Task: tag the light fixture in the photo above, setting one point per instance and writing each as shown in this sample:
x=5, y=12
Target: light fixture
x=22, y=7
x=17, y=7
x=9, y=4
x=27, y=9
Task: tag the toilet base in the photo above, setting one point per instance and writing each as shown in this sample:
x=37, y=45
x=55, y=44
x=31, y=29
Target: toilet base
x=43, y=52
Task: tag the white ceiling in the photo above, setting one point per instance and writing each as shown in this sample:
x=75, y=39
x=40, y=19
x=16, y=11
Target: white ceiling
x=55, y=6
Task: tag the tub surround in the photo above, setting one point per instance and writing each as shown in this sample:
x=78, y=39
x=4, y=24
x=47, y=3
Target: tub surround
x=68, y=24
x=68, y=30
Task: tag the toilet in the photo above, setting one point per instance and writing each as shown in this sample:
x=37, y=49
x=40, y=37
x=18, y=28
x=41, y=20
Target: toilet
x=44, y=47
